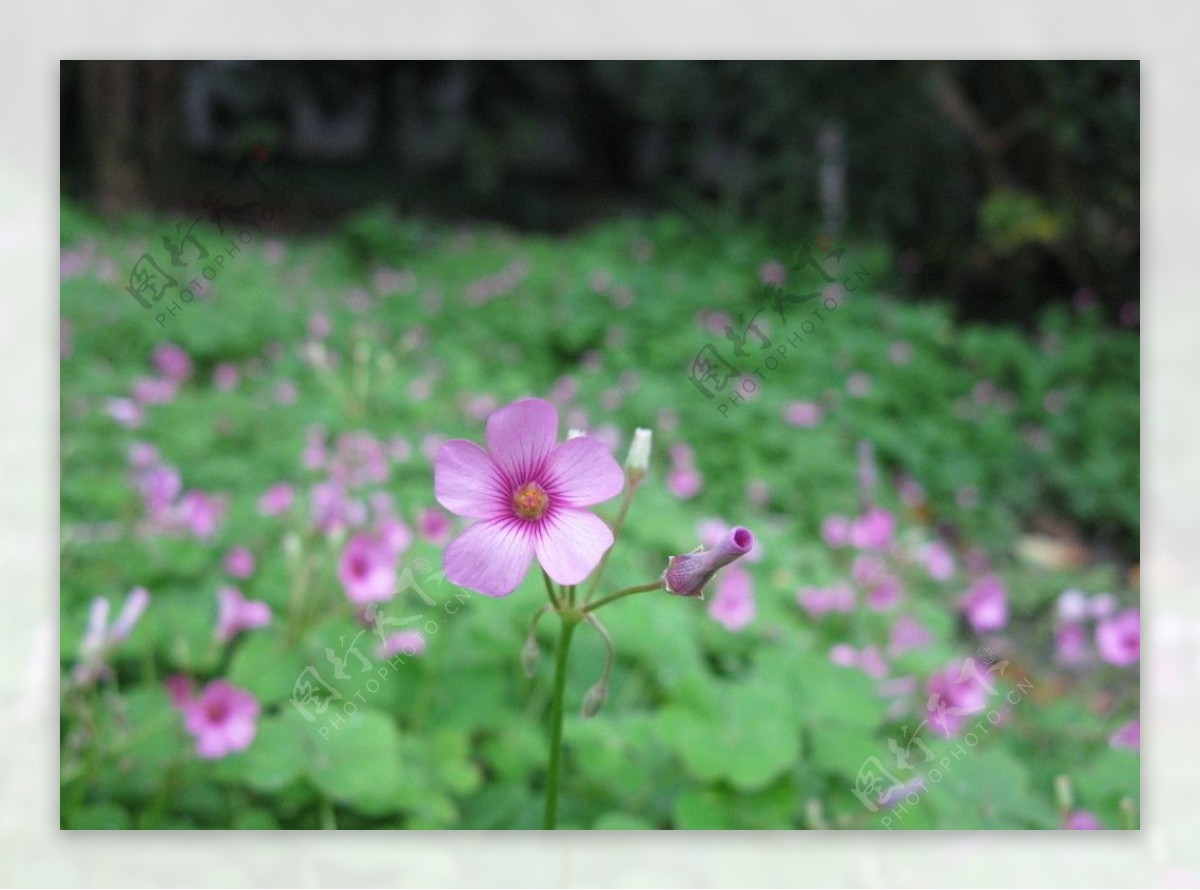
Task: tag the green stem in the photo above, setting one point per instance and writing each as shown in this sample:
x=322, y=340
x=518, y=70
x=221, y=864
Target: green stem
x=628, y=591
x=556, y=722
x=550, y=589
x=616, y=530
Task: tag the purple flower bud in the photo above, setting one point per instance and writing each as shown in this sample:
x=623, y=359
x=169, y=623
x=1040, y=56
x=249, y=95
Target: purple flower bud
x=687, y=574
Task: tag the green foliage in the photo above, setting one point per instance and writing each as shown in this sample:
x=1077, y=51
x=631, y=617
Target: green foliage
x=703, y=728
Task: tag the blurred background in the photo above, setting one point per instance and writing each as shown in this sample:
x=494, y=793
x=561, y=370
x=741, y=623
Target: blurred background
x=284, y=285
x=1001, y=186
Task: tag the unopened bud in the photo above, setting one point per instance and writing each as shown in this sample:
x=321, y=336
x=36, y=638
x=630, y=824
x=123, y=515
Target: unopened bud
x=531, y=654
x=574, y=433
x=638, y=461
x=593, y=700
x=1062, y=793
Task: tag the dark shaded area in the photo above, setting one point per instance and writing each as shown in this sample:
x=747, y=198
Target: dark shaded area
x=1001, y=185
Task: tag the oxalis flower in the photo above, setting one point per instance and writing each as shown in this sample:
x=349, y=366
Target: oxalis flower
x=528, y=494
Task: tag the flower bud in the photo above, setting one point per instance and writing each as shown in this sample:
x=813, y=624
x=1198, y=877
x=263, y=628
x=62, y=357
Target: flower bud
x=593, y=700
x=687, y=574
x=573, y=433
x=638, y=461
x=531, y=653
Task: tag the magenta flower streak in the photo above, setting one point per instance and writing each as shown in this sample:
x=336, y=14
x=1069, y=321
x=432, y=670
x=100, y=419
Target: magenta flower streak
x=527, y=493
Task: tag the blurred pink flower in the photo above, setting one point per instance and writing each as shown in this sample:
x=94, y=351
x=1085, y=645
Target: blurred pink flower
x=223, y=718
x=986, y=604
x=836, y=531
x=802, y=414
x=684, y=482
x=1072, y=605
x=333, y=510
x=873, y=530
x=1119, y=638
x=1082, y=820
x=872, y=663
x=226, y=376
x=954, y=695
x=772, y=273
x=201, y=512
x=818, y=601
x=319, y=326
x=938, y=560
x=171, y=360
x=844, y=655
x=286, y=392
x=239, y=563
x=529, y=494
x=1128, y=736
x=882, y=588
x=276, y=500
x=367, y=569
x=758, y=492
x=1071, y=644
x=101, y=638
x=859, y=385
x=410, y=642
x=733, y=601
x=126, y=412
x=155, y=390
x=394, y=533
x=235, y=614
x=908, y=633
x=435, y=526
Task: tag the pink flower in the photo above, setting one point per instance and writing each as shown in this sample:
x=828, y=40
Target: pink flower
x=772, y=273
x=733, y=604
x=954, y=695
x=239, y=563
x=1082, y=820
x=1071, y=641
x=223, y=719
x=277, y=500
x=844, y=655
x=873, y=530
x=226, y=376
x=235, y=614
x=986, y=604
x=410, y=642
x=802, y=414
x=882, y=588
x=126, y=412
x=394, y=533
x=155, y=390
x=1128, y=736
x=528, y=494
x=171, y=360
x=1119, y=638
x=908, y=633
x=818, y=601
x=872, y=663
x=938, y=560
x=434, y=526
x=319, y=326
x=201, y=512
x=859, y=385
x=367, y=569
x=684, y=482
x=687, y=574
x=100, y=638
x=836, y=531
x=1072, y=605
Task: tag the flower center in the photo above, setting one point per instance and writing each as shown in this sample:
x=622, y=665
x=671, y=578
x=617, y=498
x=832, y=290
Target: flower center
x=530, y=501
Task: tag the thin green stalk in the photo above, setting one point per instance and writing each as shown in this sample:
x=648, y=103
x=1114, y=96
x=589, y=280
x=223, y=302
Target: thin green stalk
x=556, y=722
x=628, y=591
x=616, y=530
x=550, y=589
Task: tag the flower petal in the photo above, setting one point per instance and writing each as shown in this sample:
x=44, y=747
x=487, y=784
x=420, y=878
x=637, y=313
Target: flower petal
x=570, y=543
x=581, y=472
x=521, y=436
x=491, y=557
x=466, y=480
